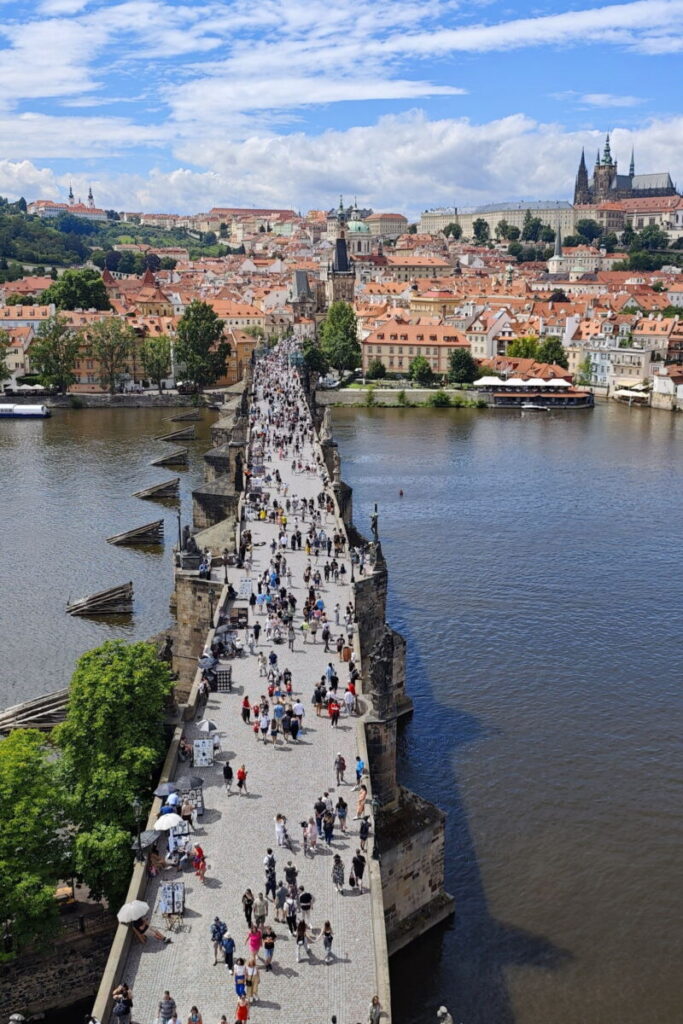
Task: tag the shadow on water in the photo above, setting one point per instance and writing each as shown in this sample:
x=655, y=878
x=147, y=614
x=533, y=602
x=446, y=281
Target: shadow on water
x=466, y=959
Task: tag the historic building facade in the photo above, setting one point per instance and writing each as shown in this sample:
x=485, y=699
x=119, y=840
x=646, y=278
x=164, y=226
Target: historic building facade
x=607, y=184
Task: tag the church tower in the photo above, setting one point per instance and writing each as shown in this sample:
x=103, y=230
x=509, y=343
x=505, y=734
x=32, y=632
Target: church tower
x=582, y=193
x=91, y=198
x=71, y=199
x=341, y=277
x=604, y=175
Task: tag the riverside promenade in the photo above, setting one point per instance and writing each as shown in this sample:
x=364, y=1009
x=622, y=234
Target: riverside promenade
x=235, y=830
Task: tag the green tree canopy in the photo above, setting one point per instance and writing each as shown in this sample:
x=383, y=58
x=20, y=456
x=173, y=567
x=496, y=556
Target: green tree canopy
x=462, y=367
x=339, y=337
x=651, y=237
x=480, y=229
x=453, y=230
x=102, y=856
x=34, y=839
x=111, y=342
x=420, y=371
x=588, y=229
x=551, y=350
x=523, y=348
x=559, y=295
x=584, y=372
x=376, y=369
x=156, y=358
x=54, y=353
x=502, y=228
x=314, y=359
x=113, y=735
x=531, y=228
x=4, y=347
x=200, y=347
x=78, y=289
x=513, y=234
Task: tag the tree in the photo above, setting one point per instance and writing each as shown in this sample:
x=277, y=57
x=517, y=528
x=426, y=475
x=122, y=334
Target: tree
x=589, y=229
x=125, y=264
x=339, y=337
x=551, y=350
x=5, y=342
x=515, y=248
x=584, y=372
x=111, y=343
x=99, y=258
x=412, y=229
x=314, y=360
x=168, y=263
x=102, y=857
x=502, y=229
x=609, y=242
x=20, y=300
x=420, y=371
x=153, y=262
x=54, y=352
x=523, y=348
x=480, y=228
x=376, y=369
x=453, y=230
x=156, y=358
x=627, y=235
x=200, y=346
x=513, y=234
x=113, y=735
x=439, y=400
x=34, y=840
x=531, y=229
x=651, y=237
x=462, y=368
x=78, y=289
x=558, y=295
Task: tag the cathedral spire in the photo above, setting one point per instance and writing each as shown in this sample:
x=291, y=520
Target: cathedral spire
x=632, y=165
x=607, y=156
x=597, y=159
x=558, y=239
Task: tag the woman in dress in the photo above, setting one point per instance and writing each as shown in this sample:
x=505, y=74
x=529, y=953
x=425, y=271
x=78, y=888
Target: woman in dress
x=253, y=979
x=362, y=797
x=338, y=873
x=254, y=940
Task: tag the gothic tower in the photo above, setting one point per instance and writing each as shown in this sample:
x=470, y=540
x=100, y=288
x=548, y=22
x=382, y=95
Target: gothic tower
x=582, y=193
x=341, y=277
x=604, y=174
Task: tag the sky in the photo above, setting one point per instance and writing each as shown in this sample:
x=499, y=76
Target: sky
x=165, y=106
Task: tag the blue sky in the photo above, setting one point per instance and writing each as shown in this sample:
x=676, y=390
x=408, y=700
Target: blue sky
x=178, y=106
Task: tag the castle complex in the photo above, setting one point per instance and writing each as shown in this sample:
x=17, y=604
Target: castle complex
x=607, y=184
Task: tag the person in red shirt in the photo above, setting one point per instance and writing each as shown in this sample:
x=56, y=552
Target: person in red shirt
x=246, y=710
x=242, y=779
x=333, y=712
x=242, y=1010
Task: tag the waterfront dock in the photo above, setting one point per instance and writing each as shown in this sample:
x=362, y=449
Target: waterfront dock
x=235, y=831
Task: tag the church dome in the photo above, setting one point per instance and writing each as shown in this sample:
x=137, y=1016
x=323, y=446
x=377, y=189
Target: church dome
x=357, y=227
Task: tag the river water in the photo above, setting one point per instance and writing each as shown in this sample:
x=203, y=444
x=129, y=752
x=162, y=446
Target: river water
x=66, y=484
x=535, y=570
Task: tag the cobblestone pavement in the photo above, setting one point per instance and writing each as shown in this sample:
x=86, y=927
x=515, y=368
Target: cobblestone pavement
x=236, y=830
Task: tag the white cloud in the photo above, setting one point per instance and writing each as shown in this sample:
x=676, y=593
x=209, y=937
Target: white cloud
x=608, y=99
x=403, y=162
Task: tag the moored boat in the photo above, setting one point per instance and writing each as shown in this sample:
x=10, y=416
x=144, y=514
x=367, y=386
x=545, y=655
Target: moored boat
x=24, y=411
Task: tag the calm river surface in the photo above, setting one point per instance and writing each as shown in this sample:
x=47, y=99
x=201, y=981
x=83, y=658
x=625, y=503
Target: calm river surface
x=65, y=486
x=535, y=570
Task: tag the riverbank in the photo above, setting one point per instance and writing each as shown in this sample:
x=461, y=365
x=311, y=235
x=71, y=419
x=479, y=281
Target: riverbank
x=399, y=399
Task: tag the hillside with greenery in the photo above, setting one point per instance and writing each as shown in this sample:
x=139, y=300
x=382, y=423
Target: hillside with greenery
x=68, y=241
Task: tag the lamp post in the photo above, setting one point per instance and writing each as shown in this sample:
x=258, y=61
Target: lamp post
x=225, y=566
x=180, y=539
x=211, y=603
x=137, y=811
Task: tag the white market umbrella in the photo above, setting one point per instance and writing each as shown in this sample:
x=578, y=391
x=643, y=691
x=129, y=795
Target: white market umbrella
x=130, y=912
x=206, y=725
x=166, y=822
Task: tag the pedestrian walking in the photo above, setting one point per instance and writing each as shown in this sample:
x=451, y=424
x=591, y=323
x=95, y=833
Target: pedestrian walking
x=312, y=836
x=328, y=826
x=328, y=938
x=254, y=940
x=218, y=930
x=195, y=1016
x=228, y=946
x=246, y=710
x=339, y=768
x=260, y=910
x=360, y=806
x=291, y=635
x=242, y=779
x=363, y=833
x=253, y=980
x=360, y=768
x=242, y=1010
x=248, y=905
x=281, y=894
x=305, y=903
x=338, y=874
x=342, y=810
x=228, y=777
x=291, y=914
x=269, y=939
x=240, y=974
x=302, y=940
x=167, y=1008
x=358, y=862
